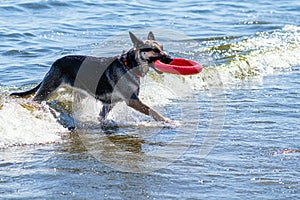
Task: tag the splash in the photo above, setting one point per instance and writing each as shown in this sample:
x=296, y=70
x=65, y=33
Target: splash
x=23, y=122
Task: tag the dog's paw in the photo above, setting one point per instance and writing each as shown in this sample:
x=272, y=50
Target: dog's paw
x=167, y=120
x=108, y=124
x=168, y=123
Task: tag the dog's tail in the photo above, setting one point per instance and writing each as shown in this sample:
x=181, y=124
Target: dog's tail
x=26, y=94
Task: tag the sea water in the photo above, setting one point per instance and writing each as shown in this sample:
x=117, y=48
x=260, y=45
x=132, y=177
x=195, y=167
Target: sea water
x=235, y=126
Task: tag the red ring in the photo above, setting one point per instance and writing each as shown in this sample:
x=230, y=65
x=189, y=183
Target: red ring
x=179, y=66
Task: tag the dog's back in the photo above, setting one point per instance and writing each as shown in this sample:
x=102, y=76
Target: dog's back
x=96, y=75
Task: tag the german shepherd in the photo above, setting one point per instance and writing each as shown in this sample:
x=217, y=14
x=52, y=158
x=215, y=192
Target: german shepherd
x=109, y=80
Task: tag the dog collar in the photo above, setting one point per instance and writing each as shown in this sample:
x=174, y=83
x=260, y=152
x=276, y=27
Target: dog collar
x=124, y=61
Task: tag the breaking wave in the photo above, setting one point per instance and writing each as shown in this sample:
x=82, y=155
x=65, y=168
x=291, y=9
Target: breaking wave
x=233, y=59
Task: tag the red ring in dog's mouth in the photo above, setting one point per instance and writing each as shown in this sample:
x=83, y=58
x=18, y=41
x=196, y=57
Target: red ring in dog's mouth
x=178, y=66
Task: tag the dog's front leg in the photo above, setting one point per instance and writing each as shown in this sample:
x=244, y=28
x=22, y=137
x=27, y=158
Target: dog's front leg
x=143, y=108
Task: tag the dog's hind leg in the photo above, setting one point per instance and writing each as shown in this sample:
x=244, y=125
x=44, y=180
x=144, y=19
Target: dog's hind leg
x=50, y=83
x=106, y=108
x=103, y=117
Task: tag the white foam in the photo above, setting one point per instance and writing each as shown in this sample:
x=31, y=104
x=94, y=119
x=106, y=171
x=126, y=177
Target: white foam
x=26, y=123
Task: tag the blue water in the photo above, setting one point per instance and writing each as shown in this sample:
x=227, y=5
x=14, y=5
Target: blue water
x=236, y=124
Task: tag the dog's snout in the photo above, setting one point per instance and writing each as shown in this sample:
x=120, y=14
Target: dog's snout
x=166, y=59
x=162, y=53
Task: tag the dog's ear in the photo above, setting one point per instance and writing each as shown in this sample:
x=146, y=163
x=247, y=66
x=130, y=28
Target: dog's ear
x=151, y=36
x=137, y=43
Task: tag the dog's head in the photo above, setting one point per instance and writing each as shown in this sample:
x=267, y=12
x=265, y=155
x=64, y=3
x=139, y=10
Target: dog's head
x=148, y=51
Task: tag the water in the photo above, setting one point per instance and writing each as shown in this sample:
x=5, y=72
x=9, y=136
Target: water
x=242, y=110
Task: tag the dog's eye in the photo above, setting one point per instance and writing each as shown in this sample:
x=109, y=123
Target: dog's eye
x=143, y=54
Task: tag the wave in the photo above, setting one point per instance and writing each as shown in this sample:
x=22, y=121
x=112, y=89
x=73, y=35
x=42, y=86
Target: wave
x=264, y=53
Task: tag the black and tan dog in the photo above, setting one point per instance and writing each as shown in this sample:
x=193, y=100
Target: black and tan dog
x=109, y=80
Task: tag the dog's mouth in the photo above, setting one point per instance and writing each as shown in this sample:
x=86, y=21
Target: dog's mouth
x=163, y=58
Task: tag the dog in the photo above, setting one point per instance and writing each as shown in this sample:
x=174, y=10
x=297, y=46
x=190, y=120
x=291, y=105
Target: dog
x=108, y=79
